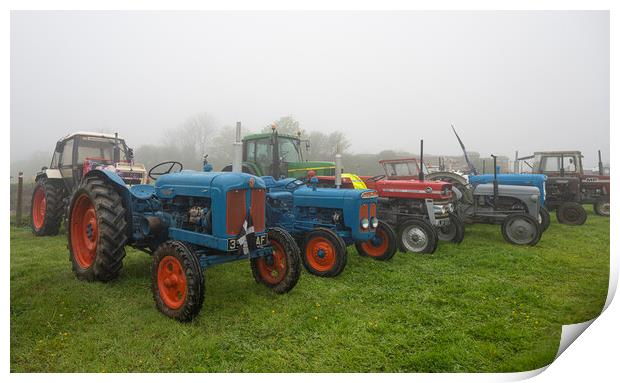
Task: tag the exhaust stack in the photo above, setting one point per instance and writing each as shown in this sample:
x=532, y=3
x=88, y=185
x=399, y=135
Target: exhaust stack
x=421, y=174
x=237, y=149
x=601, y=170
x=338, y=180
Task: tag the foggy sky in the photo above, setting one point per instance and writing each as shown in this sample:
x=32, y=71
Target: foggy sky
x=508, y=80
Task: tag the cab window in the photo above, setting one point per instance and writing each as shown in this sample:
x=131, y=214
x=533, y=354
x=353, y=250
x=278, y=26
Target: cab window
x=554, y=164
x=263, y=154
x=66, y=157
x=288, y=151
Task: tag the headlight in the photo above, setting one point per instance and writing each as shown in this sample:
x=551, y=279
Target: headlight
x=374, y=222
x=365, y=223
x=534, y=197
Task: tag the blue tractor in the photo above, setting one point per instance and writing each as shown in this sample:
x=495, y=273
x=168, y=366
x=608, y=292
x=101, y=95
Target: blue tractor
x=325, y=221
x=474, y=179
x=188, y=220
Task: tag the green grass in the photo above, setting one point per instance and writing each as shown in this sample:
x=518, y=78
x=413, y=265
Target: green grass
x=481, y=306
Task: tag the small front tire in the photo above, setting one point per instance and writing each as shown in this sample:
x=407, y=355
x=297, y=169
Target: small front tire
x=521, y=229
x=324, y=253
x=417, y=236
x=177, y=281
x=280, y=271
x=544, y=219
x=602, y=208
x=454, y=232
x=382, y=247
x=571, y=213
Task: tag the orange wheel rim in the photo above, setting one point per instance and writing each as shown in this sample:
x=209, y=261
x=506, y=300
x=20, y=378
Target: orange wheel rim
x=273, y=269
x=171, y=282
x=320, y=254
x=84, y=231
x=377, y=246
x=38, y=207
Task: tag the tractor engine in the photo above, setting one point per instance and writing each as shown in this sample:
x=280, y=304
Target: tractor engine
x=190, y=213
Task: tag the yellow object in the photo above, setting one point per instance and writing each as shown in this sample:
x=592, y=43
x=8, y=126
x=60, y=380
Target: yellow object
x=357, y=182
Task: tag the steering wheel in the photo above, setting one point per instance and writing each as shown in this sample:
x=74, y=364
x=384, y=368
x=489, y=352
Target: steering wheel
x=154, y=175
x=376, y=178
x=297, y=183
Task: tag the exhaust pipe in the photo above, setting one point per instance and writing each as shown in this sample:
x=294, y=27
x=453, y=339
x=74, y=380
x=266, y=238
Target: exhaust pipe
x=421, y=174
x=338, y=170
x=237, y=150
x=601, y=171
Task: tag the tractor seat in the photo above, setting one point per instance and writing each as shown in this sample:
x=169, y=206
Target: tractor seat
x=142, y=191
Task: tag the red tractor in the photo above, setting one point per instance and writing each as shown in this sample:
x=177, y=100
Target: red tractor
x=568, y=187
x=421, y=211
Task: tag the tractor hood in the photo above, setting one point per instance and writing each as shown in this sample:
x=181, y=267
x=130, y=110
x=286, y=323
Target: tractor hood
x=328, y=198
x=412, y=189
x=300, y=169
x=510, y=179
x=508, y=190
x=203, y=184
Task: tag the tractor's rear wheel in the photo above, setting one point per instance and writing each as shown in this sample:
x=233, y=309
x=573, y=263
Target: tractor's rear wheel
x=324, y=253
x=602, y=208
x=47, y=207
x=571, y=213
x=521, y=229
x=454, y=232
x=279, y=271
x=177, y=281
x=544, y=219
x=417, y=236
x=382, y=247
x=96, y=230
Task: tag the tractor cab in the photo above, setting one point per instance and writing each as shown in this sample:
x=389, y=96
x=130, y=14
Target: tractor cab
x=559, y=163
x=280, y=156
x=402, y=168
x=81, y=152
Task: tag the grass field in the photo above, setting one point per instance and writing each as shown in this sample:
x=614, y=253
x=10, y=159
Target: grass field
x=483, y=305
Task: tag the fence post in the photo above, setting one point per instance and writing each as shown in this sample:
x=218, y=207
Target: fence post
x=18, y=208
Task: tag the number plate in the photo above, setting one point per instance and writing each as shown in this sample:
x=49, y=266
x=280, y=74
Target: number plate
x=261, y=240
x=443, y=222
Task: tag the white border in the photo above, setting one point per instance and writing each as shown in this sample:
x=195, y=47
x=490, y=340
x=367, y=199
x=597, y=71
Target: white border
x=592, y=355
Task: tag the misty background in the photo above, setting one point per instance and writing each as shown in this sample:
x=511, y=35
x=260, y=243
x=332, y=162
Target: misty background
x=374, y=83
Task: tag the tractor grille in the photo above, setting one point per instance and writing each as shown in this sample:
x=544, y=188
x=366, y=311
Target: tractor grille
x=235, y=211
x=257, y=209
x=131, y=178
x=368, y=211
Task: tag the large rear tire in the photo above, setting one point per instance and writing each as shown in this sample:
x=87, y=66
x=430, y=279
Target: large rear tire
x=521, y=229
x=571, y=213
x=280, y=271
x=177, y=281
x=417, y=236
x=602, y=208
x=324, y=253
x=96, y=230
x=454, y=232
x=382, y=247
x=47, y=207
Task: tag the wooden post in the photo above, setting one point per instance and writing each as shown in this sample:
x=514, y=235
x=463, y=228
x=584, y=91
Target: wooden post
x=18, y=208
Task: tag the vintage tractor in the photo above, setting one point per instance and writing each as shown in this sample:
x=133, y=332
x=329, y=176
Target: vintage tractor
x=326, y=221
x=515, y=208
x=188, y=220
x=568, y=188
x=466, y=182
x=278, y=155
x=422, y=211
x=74, y=156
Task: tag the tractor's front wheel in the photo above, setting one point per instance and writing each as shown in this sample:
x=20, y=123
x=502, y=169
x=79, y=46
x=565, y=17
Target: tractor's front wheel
x=571, y=213
x=602, y=208
x=454, y=232
x=521, y=229
x=417, y=236
x=177, y=281
x=382, y=247
x=324, y=253
x=47, y=207
x=96, y=230
x=279, y=271
x=544, y=219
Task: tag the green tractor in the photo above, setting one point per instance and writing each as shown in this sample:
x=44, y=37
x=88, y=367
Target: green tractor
x=280, y=156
